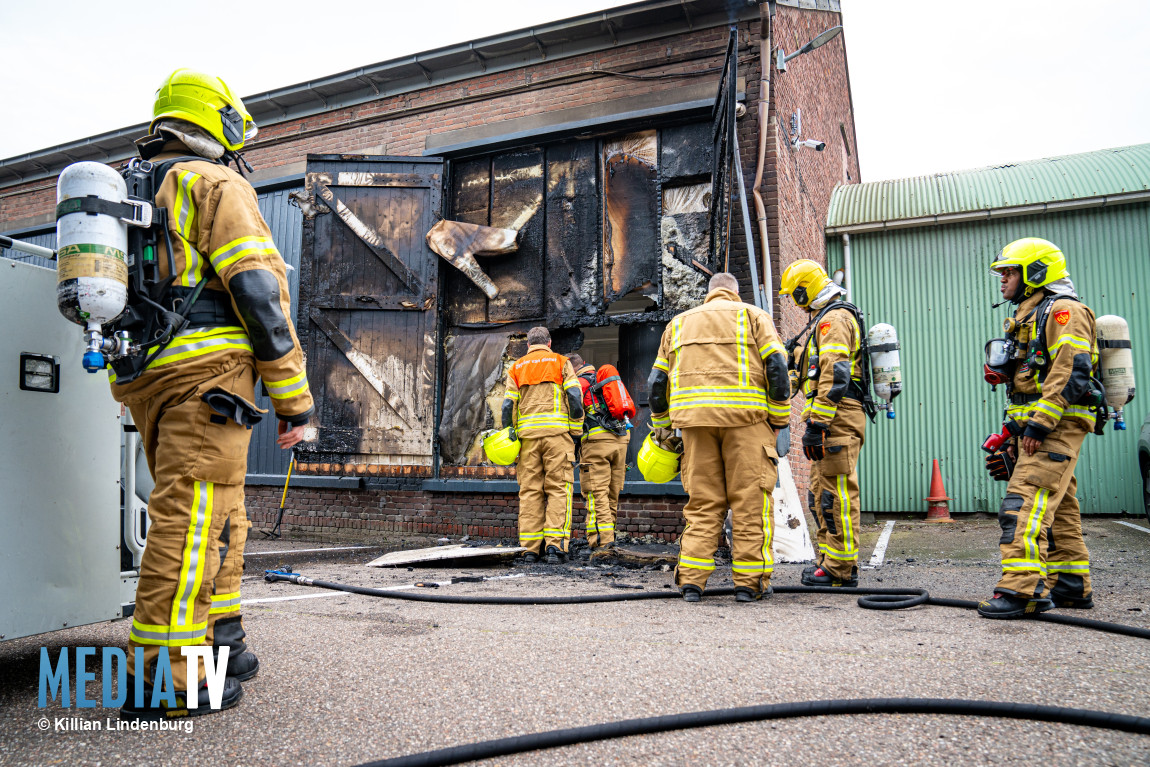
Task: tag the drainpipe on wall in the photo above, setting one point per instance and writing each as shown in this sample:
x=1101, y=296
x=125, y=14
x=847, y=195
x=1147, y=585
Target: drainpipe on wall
x=848, y=273
x=765, y=13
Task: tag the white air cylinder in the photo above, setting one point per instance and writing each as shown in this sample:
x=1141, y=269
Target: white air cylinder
x=1116, y=363
x=92, y=271
x=886, y=369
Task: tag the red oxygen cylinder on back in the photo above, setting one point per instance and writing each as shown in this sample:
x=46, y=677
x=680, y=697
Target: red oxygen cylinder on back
x=613, y=393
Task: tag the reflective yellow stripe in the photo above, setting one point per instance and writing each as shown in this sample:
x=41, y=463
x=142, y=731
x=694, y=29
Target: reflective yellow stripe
x=183, y=216
x=1069, y=340
x=200, y=342
x=660, y=364
x=225, y=603
x=289, y=387
x=237, y=249
x=774, y=347
x=194, y=556
x=849, y=545
x=512, y=395
x=840, y=348
x=169, y=636
x=823, y=409
x=1049, y=408
x=1033, y=525
x=741, y=343
x=661, y=422
x=695, y=562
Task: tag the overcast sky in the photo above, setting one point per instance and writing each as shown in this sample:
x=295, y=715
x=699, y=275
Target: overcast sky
x=937, y=85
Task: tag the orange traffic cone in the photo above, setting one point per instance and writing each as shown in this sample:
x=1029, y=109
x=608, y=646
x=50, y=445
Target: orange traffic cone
x=937, y=510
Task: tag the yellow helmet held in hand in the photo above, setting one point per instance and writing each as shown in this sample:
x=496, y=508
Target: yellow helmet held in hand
x=657, y=464
x=1040, y=261
x=206, y=101
x=500, y=448
x=802, y=281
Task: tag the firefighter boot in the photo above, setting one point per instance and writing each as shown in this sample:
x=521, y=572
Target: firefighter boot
x=691, y=593
x=554, y=555
x=1077, y=603
x=242, y=663
x=233, y=693
x=745, y=594
x=530, y=558
x=820, y=577
x=1011, y=606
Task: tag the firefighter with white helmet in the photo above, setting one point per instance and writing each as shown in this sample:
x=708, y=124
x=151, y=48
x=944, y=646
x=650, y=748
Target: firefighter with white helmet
x=1053, y=400
x=830, y=372
x=192, y=396
x=720, y=377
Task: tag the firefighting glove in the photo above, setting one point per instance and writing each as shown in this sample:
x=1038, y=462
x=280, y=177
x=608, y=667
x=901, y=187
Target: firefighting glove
x=1000, y=465
x=813, y=440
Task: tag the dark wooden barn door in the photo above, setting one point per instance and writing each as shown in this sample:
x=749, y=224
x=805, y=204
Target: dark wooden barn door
x=368, y=288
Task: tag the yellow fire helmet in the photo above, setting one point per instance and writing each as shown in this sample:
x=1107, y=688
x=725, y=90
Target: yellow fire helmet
x=1041, y=262
x=803, y=280
x=500, y=448
x=206, y=101
x=657, y=464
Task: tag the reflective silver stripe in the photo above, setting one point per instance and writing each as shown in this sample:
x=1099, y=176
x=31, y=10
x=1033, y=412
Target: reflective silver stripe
x=187, y=593
x=167, y=636
x=217, y=604
x=207, y=343
x=285, y=391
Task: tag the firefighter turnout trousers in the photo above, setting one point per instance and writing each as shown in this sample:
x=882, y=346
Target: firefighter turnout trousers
x=833, y=498
x=728, y=467
x=546, y=474
x=601, y=478
x=1041, y=544
x=199, y=461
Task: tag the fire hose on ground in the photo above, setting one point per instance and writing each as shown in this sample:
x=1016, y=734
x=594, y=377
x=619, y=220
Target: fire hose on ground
x=869, y=598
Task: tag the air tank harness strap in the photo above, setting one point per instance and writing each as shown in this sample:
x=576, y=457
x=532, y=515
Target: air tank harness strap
x=132, y=213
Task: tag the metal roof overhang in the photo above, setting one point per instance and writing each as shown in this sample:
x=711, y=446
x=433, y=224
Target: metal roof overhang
x=992, y=213
x=626, y=25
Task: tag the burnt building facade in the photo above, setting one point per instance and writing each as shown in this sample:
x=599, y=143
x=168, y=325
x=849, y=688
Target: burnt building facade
x=587, y=175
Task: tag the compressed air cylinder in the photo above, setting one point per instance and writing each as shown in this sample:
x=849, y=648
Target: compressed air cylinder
x=1115, y=360
x=92, y=273
x=886, y=369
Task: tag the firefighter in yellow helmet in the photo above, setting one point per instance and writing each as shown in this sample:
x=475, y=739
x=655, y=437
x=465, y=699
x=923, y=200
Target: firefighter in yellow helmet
x=829, y=373
x=544, y=408
x=720, y=377
x=1051, y=394
x=192, y=398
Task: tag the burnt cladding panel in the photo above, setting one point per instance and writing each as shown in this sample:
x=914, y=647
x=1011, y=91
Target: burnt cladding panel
x=471, y=204
x=517, y=191
x=638, y=347
x=473, y=364
x=570, y=279
x=631, y=247
x=685, y=153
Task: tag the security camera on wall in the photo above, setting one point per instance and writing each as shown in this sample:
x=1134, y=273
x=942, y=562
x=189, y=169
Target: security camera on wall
x=818, y=146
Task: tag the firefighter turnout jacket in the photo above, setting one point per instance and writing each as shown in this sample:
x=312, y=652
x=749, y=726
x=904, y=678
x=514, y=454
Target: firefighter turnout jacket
x=1042, y=396
x=834, y=347
x=218, y=235
x=537, y=386
x=726, y=367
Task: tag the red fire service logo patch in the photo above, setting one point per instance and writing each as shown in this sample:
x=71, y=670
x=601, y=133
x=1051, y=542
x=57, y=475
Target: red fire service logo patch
x=1062, y=317
x=824, y=328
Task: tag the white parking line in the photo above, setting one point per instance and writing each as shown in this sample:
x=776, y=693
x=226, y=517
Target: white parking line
x=876, y=559
x=305, y=551
x=1131, y=524
x=288, y=599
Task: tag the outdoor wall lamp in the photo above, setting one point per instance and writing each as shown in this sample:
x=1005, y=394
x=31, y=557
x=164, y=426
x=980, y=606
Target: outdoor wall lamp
x=823, y=38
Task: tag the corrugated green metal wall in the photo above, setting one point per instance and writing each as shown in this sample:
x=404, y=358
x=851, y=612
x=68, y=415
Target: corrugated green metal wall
x=933, y=285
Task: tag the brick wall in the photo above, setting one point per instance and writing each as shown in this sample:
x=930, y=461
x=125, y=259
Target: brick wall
x=799, y=183
x=403, y=508
x=796, y=188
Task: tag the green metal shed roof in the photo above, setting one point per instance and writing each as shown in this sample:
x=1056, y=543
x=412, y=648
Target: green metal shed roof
x=1107, y=176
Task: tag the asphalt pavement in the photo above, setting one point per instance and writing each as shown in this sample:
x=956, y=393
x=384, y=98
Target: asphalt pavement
x=347, y=679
